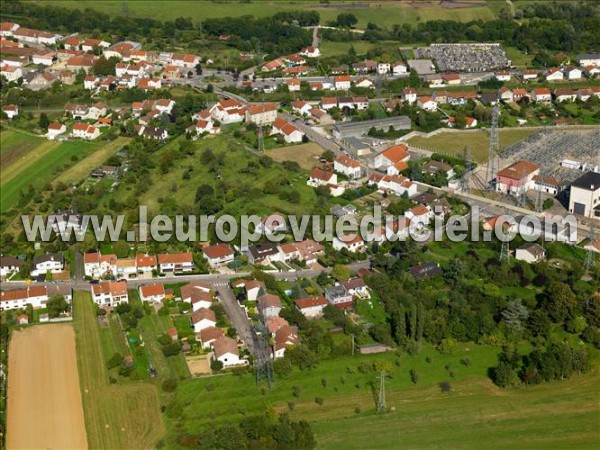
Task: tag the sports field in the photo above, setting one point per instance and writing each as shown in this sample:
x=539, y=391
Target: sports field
x=34, y=161
x=44, y=401
x=116, y=416
x=381, y=13
x=478, y=141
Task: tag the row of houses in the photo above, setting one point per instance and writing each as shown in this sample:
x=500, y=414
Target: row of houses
x=97, y=265
x=36, y=296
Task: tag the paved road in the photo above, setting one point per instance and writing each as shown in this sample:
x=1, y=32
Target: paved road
x=236, y=314
x=313, y=135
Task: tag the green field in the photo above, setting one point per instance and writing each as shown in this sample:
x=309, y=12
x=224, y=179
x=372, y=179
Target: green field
x=452, y=142
x=38, y=165
x=116, y=416
x=381, y=13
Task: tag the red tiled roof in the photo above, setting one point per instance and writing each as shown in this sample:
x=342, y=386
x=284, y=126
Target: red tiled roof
x=310, y=302
x=518, y=170
x=152, y=290
x=175, y=258
x=217, y=251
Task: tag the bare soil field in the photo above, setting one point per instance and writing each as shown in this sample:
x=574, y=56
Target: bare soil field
x=198, y=365
x=303, y=154
x=44, y=400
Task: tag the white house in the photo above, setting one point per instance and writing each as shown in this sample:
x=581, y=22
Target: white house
x=419, y=216
x=226, y=351
x=391, y=156
x=253, y=288
x=209, y=335
x=50, y=262
x=357, y=287
x=9, y=265
x=36, y=296
x=554, y=74
x=588, y=59
x=342, y=82
x=44, y=59
x=126, y=268
x=85, y=131
x=573, y=73
x=153, y=293
x=218, y=255
x=530, y=253
x=293, y=84
x=426, y=103
x=363, y=82
x=269, y=305
x=584, y=198
x=311, y=307
x=399, y=68
x=198, y=294
x=262, y=114
x=301, y=107
x=290, y=133
x=11, y=111
x=352, y=243
x=319, y=177
x=228, y=111
x=145, y=264
x=311, y=52
x=348, y=166
x=175, y=262
x=96, y=265
x=542, y=95
x=409, y=95
x=11, y=73
x=110, y=293
x=503, y=76
x=203, y=318
x=285, y=337
x=383, y=68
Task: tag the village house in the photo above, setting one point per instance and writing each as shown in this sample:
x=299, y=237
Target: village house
x=564, y=95
x=419, y=216
x=347, y=166
x=153, y=293
x=503, y=76
x=175, y=262
x=228, y=111
x=338, y=296
x=36, y=296
x=83, y=62
x=203, y=318
x=149, y=84
x=517, y=178
x=109, y=293
x=85, y=131
x=391, y=156
x=50, y=262
x=285, y=337
x=573, y=73
x=96, y=265
x=9, y=265
x=198, y=294
x=399, y=68
x=319, y=177
x=272, y=65
x=383, y=68
x=357, y=287
x=11, y=111
x=554, y=74
x=44, y=59
x=262, y=114
x=290, y=133
x=310, y=52
x=363, y=82
x=584, y=198
x=31, y=36
x=263, y=254
x=542, y=95
x=11, y=73
x=506, y=95
x=226, y=351
x=311, y=307
x=253, y=288
x=342, y=82
x=186, y=61
x=435, y=167
x=145, y=264
x=269, y=305
x=351, y=242
x=8, y=28
x=293, y=84
x=588, y=59
x=218, y=255
x=309, y=251
x=209, y=335
x=426, y=103
x=530, y=252
x=301, y=107
x=126, y=268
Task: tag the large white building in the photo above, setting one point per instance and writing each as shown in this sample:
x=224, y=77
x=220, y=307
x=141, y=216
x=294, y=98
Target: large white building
x=585, y=195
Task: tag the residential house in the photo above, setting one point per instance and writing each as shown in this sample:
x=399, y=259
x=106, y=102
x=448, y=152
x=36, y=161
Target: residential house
x=269, y=305
x=175, y=262
x=573, y=73
x=293, y=84
x=153, y=293
x=228, y=111
x=426, y=103
x=50, y=262
x=319, y=177
x=435, y=167
x=399, y=68
x=530, y=252
x=357, y=287
x=517, y=178
x=329, y=103
x=203, y=318
x=82, y=62
x=285, y=337
x=110, y=293
x=91, y=82
x=36, y=296
x=226, y=351
x=262, y=114
x=31, y=36
x=348, y=166
x=218, y=255
x=409, y=95
x=145, y=264
x=85, y=131
x=209, y=335
x=9, y=265
x=263, y=254
x=529, y=74
x=351, y=242
x=149, y=84
x=451, y=79
x=363, y=82
x=588, y=59
x=97, y=265
x=565, y=95
x=126, y=268
x=11, y=111
x=198, y=294
x=419, y=216
x=383, y=68
x=290, y=133
x=506, y=95
x=11, y=73
x=311, y=52
x=503, y=76
x=391, y=156
x=342, y=82
x=425, y=270
x=301, y=107
x=554, y=74
x=289, y=251
x=542, y=95
x=338, y=296
x=253, y=288
x=272, y=65
x=311, y=307
x=309, y=251
x=44, y=59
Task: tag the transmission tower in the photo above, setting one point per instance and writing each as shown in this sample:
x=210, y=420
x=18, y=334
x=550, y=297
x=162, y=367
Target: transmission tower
x=591, y=256
x=464, y=180
x=264, y=364
x=261, y=139
x=381, y=407
x=493, y=149
x=505, y=251
x=539, y=199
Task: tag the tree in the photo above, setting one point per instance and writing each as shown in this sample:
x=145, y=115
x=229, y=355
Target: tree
x=560, y=302
x=514, y=315
x=328, y=155
x=341, y=272
x=57, y=305
x=43, y=122
x=121, y=249
x=346, y=20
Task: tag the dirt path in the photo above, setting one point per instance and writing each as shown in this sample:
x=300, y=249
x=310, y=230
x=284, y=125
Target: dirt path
x=44, y=400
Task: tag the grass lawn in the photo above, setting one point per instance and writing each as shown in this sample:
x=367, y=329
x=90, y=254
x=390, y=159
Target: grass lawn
x=16, y=145
x=44, y=162
x=454, y=143
x=116, y=416
x=329, y=48
x=113, y=339
x=166, y=367
x=381, y=13
x=517, y=57
x=83, y=168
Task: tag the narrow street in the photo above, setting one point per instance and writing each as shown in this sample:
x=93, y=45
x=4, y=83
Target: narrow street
x=237, y=315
